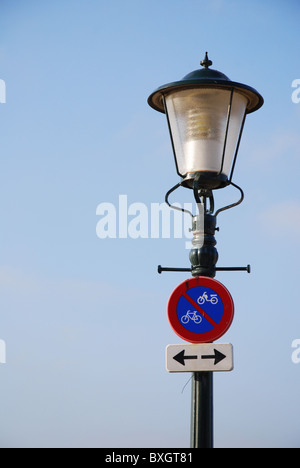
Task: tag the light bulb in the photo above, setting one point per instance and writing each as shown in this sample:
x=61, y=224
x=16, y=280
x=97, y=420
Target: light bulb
x=198, y=122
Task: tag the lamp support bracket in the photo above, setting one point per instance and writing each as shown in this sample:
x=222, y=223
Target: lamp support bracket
x=203, y=255
x=201, y=196
x=160, y=269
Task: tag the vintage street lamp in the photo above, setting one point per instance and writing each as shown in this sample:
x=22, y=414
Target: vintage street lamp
x=206, y=113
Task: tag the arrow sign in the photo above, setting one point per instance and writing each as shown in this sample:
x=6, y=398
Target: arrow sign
x=218, y=357
x=204, y=357
x=180, y=357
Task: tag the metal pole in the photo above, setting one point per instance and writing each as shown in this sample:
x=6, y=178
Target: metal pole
x=202, y=410
x=203, y=262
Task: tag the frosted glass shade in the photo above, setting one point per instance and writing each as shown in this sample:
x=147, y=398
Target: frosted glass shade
x=198, y=120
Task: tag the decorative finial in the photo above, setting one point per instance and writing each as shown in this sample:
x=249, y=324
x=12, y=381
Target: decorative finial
x=206, y=62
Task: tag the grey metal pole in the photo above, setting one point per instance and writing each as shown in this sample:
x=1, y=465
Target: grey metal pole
x=202, y=410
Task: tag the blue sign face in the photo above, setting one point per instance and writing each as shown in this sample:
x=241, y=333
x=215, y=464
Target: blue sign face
x=200, y=309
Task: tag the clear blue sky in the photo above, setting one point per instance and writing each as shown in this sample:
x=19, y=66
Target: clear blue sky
x=83, y=318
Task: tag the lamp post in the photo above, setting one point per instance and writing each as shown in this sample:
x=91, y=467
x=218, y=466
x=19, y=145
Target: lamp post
x=206, y=112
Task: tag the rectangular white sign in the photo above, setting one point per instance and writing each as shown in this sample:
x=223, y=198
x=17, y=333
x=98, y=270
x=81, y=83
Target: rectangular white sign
x=206, y=357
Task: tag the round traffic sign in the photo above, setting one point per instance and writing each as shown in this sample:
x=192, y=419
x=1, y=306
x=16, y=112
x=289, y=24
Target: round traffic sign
x=200, y=310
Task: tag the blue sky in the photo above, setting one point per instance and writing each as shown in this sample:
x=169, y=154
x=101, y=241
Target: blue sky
x=83, y=318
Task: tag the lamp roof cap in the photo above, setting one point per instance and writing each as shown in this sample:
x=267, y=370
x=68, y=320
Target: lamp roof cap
x=205, y=78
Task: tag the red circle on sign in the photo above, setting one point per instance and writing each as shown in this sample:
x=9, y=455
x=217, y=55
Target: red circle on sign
x=219, y=327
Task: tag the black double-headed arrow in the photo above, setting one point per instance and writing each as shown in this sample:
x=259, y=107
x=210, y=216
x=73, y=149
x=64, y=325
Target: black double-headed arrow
x=217, y=356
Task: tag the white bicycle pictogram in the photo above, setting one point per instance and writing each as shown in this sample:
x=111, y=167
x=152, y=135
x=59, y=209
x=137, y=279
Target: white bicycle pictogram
x=204, y=298
x=191, y=316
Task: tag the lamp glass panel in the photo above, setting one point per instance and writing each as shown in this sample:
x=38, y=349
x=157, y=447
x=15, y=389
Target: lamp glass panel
x=198, y=119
